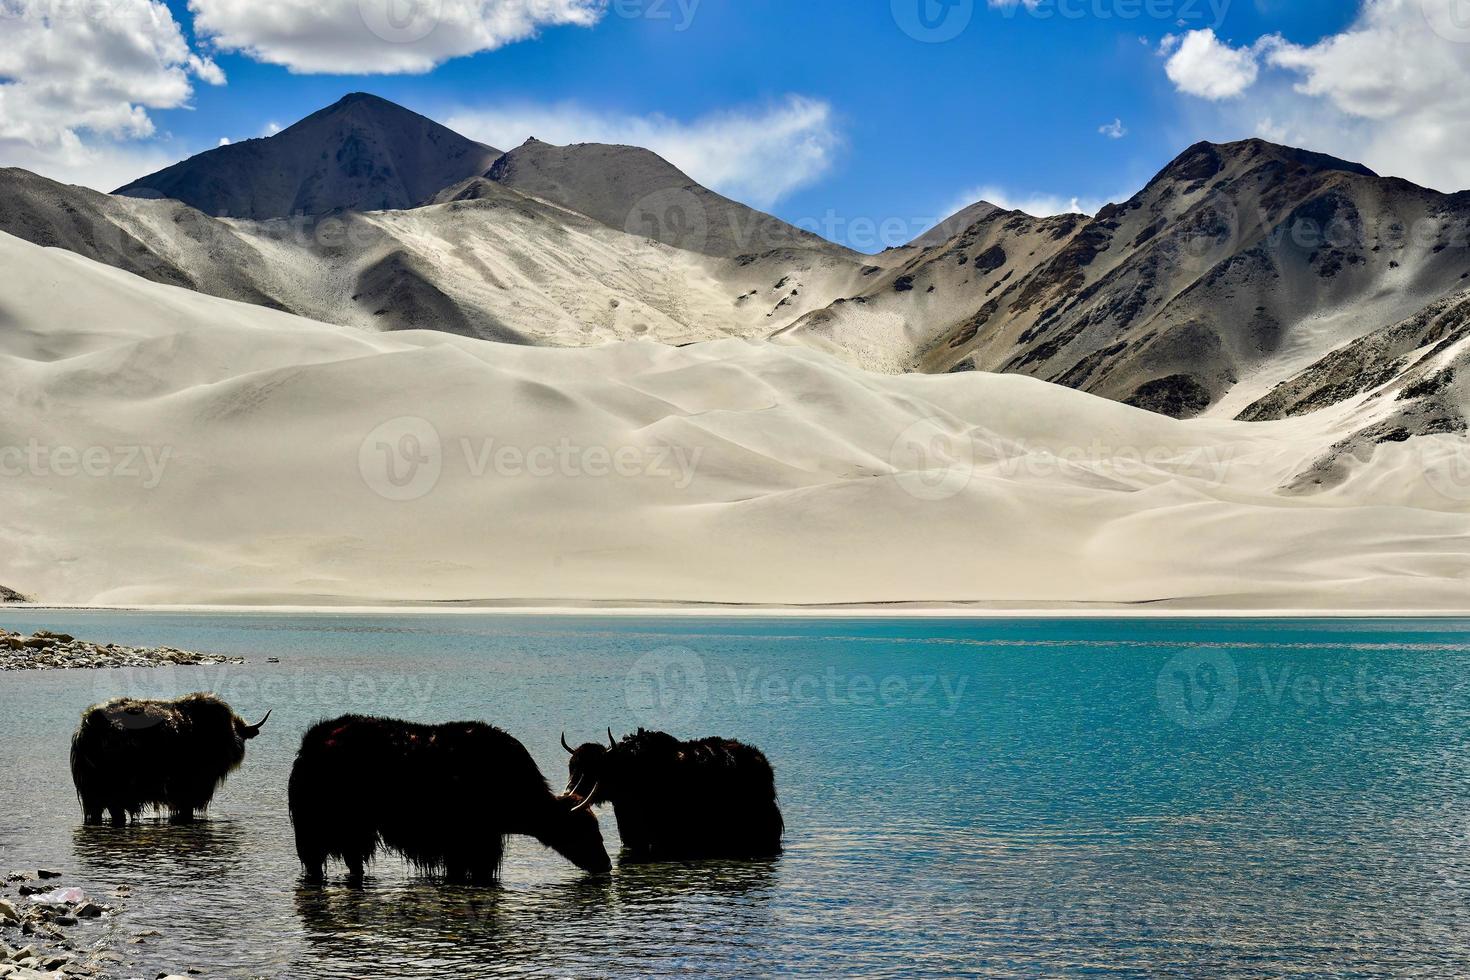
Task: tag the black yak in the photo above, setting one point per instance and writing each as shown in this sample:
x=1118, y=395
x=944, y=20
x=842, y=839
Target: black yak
x=131, y=754
x=712, y=798
x=444, y=797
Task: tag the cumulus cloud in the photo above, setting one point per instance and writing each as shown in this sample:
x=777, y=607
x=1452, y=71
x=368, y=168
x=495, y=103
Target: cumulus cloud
x=77, y=81
x=378, y=37
x=755, y=154
x=1390, y=91
x=1200, y=64
x=1114, y=130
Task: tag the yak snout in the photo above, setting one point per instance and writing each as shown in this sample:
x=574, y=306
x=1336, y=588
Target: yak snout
x=581, y=837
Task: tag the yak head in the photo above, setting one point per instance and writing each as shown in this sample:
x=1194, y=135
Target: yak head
x=577, y=835
x=589, y=770
x=247, y=732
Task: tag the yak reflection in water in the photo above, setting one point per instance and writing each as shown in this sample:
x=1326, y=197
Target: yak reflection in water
x=583, y=921
x=159, y=848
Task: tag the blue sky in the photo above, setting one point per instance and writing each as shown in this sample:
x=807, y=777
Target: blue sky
x=824, y=111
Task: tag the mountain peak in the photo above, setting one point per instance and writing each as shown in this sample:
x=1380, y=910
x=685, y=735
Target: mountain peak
x=635, y=190
x=1204, y=160
x=362, y=153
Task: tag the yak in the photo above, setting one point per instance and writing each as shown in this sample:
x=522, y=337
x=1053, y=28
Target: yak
x=129, y=755
x=673, y=800
x=444, y=797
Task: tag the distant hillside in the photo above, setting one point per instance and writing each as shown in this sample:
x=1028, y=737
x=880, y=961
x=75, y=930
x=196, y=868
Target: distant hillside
x=361, y=154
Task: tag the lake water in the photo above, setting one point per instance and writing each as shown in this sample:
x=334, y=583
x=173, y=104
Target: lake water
x=1066, y=797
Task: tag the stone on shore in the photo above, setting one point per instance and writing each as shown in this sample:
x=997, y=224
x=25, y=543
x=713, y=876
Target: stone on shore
x=46, y=650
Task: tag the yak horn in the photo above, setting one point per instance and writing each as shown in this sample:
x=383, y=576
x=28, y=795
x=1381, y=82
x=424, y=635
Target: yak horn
x=586, y=800
x=611, y=742
x=255, y=728
x=565, y=745
x=572, y=790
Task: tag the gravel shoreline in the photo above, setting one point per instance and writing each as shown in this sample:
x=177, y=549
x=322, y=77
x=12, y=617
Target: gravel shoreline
x=45, y=650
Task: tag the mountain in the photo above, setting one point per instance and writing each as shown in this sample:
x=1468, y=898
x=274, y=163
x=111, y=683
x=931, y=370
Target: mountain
x=266, y=474
x=638, y=192
x=481, y=260
x=1230, y=275
x=955, y=224
x=1238, y=265
x=361, y=154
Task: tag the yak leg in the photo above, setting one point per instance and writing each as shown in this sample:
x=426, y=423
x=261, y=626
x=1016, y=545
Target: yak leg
x=354, y=870
x=118, y=814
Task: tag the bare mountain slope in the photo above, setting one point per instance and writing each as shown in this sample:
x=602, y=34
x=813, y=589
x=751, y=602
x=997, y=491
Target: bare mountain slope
x=363, y=154
x=1237, y=263
x=637, y=191
x=486, y=262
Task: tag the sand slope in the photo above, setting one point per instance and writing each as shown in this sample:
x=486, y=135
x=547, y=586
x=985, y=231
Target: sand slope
x=309, y=462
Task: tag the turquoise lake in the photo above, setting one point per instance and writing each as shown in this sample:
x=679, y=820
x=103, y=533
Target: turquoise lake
x=994, y=797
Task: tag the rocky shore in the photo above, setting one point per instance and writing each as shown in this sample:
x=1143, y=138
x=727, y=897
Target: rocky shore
x=37, y=910
x=45, y=650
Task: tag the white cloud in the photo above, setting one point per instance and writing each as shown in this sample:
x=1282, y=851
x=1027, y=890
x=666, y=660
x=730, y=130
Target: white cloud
x=1114, y=130
x=77, y=81
x=1041, y=205
x=1200, y=64
x=756, y=154
x=1391, y=91
x=378, y=37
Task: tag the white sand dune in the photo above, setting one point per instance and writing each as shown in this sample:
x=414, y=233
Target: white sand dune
x=306, y=462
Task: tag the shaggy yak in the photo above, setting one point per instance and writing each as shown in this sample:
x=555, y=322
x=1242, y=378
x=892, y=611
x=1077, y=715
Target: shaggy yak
x=444, y=797
x=130, y=754
x=681, y=800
